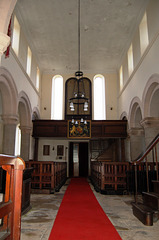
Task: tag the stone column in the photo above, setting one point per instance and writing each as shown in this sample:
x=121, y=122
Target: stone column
x=137, y=142
x=151, y=127
x=9, y=130
x=25, y=142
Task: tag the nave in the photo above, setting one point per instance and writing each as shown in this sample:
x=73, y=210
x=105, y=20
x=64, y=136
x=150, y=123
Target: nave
x=38, y=222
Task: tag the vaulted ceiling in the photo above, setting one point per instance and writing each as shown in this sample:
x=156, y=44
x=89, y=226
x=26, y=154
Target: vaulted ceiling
x=106, y=31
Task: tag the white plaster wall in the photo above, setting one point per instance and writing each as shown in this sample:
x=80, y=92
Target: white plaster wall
x=16, y=65
x=145, y=66
x=53, y=149
x=22, y=81
x=111, y=94
x=23, y=50
x=33, y=71
x=46, y=88
x=145, y=70
x=125, y=69
x=136, y=48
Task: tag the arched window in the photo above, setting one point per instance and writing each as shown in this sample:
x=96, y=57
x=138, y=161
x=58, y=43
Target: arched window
x=37, y=78
x=29, y=58
x=99, y=97
x=57, y=98
x=143, y=30
x=17, y=141
x=16, y=36
x=130, y=60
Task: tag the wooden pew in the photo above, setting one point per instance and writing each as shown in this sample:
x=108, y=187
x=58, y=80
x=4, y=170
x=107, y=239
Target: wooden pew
x=10, y=207
x=109, y=177
x=47, y=176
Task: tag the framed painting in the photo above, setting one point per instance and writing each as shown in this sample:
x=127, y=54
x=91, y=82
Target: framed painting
x=46, y=150
x=60, y=150
x=79, y=130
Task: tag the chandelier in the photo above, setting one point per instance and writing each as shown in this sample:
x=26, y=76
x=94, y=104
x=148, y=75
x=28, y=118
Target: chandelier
x=78, y=94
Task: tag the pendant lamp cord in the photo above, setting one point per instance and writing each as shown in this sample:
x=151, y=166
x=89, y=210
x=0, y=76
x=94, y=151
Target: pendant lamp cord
x=79, y=50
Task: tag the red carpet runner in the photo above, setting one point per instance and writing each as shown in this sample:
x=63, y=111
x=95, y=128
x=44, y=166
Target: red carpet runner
x=80, y=217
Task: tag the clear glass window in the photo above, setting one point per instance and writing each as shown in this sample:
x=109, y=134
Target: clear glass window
x=29, y=57
x=57, y=98
x=16, y=36
x=143, y=29
x=99, y=97
x=37, y=78
x=121, y=77
x=130, y=60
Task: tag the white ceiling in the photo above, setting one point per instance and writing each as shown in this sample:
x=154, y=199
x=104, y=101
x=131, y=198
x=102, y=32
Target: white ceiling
x=107, y=27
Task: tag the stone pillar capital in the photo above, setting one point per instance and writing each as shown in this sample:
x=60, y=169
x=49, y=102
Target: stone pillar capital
x=25, y=129
x=150, y=122
x=136, y=131
x=10, y=119
x=4, y=42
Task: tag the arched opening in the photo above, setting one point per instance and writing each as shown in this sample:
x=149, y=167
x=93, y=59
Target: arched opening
x=17, y=150
x=24, y=111
x=154, y=104
x=136, y=131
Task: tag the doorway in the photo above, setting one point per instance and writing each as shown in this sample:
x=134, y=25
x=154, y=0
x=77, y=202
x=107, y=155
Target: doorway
x=78, y=159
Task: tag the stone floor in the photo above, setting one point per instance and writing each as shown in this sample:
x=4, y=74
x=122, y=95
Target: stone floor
x=38, y=222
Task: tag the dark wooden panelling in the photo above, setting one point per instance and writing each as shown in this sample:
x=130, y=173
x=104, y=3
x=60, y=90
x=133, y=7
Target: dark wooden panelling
x=99, y=129
x=49, y=128
x=109, y=128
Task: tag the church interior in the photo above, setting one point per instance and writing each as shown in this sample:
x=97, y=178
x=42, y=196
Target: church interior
x=79, y=97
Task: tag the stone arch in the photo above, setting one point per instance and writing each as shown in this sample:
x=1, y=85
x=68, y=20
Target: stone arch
x=135, y=113
x=9, y=94
x=35, y=114
x=24, y=110
x=149, y=95
x=9, y=116
x=123, y=116
x=136, y=131
x=154, y=103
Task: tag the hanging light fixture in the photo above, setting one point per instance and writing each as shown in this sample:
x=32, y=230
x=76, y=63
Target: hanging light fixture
x=79, y=95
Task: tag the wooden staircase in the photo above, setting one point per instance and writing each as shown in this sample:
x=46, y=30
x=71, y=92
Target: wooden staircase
x=146, y=206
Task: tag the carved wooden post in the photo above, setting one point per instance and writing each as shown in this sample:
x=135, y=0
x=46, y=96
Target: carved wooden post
x=102, y=176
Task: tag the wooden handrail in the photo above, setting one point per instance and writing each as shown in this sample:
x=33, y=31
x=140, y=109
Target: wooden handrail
x=11, y=207
x=17, y=162
x=147, y=151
